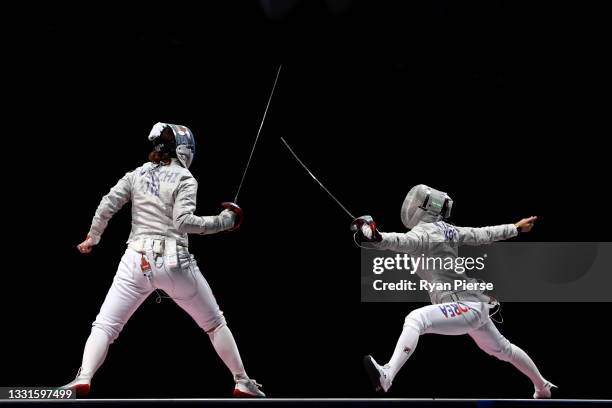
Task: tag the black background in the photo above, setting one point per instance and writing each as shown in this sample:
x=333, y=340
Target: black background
x=498, y=103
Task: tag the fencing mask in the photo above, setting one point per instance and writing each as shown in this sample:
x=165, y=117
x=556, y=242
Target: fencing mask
x=425, y=204
x=183, y=143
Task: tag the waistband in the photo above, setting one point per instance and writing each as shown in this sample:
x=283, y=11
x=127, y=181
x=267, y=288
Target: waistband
x=465, y=296
x=156, y=246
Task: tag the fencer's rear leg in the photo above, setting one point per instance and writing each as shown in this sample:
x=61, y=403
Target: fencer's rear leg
x=491, y=341
x=204, y=310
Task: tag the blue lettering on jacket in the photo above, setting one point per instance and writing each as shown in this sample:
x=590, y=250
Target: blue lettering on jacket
x=450, y=233
x=149, y=181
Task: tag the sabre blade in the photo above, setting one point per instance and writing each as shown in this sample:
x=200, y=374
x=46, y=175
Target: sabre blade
x=258, y=132
x=317, y=180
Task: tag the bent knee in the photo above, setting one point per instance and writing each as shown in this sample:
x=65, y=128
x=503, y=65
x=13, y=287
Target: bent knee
x=417, y=321
x=111, y=330
x=503, y=351
x=212, y=325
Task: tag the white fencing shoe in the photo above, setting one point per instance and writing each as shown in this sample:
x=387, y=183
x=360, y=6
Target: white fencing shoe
x=544, y=393
x=80, y=385
x=379, y=375
x=247, y=388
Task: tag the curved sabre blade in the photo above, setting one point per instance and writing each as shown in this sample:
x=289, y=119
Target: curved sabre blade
x=258, y=132
x=315, y=179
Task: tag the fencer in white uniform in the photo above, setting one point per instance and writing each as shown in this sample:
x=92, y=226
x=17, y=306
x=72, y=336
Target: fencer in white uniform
x=163, y=197
x=451, y=312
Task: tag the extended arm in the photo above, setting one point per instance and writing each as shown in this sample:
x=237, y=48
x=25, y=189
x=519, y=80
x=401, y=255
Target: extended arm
x=185, y=221
x=365, y=226
x=407, y=242
x=488, y=235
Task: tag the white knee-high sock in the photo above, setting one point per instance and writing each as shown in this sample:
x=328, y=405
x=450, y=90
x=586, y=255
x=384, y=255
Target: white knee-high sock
x=225, y=346
x=403, y=350
x=94, y=353
x=525, y=365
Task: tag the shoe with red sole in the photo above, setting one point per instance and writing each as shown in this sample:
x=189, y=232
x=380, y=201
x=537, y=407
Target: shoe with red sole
x=247, y=388
x=80, y=385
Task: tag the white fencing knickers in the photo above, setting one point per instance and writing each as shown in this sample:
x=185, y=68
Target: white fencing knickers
x=457, y=318
x=183, y=283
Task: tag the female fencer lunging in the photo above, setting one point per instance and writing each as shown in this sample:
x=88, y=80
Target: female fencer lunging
x=451, y=312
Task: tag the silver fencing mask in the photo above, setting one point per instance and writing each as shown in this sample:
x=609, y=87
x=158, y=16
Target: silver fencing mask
x=425, y=204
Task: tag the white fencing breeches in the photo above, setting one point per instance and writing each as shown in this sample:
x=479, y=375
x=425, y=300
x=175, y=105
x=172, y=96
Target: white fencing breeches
x=461, y=318
x=183, y=283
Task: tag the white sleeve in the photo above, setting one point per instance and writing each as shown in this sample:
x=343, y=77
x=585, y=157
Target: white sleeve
x=408, y=242
x=117, y=197
x=486, y=235
x=186, y=222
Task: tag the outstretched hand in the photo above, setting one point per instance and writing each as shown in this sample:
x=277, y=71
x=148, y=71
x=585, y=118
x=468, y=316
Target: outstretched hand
x=86, y=246
x=526, y=224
